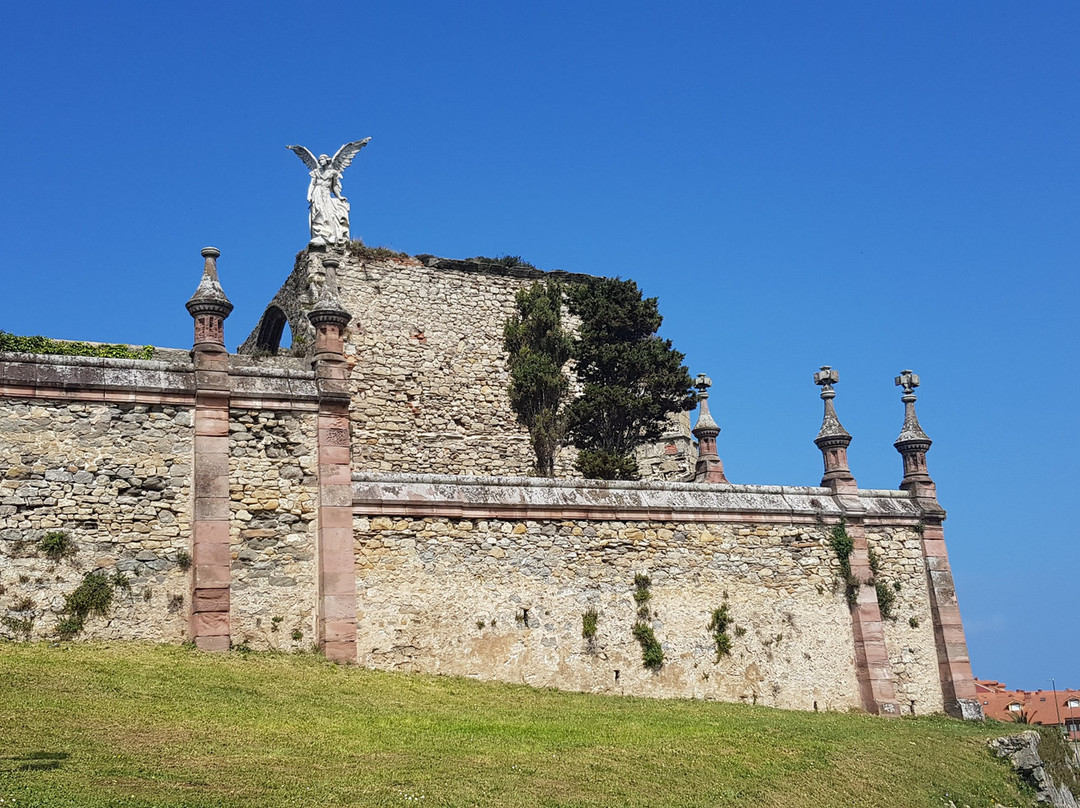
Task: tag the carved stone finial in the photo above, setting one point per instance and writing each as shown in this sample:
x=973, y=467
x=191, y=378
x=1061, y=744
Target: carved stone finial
x=826, y=378
x=911, y=429
x=908, y=380
x=832, y=439
x=209, y=306
x=913, y=443
x=709, y=468
x=328, y=209
x=830, y=424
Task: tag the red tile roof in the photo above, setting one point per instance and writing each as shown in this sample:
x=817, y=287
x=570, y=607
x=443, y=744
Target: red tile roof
x=1047, y=707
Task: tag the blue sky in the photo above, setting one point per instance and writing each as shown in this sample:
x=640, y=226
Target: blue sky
x=873, y=186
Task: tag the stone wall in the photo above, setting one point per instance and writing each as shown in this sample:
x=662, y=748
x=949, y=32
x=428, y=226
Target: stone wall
x=490, y=578
x=116, y=479
x=428, y=372
x=215, y=493
x=274, y=494
x=504, y=599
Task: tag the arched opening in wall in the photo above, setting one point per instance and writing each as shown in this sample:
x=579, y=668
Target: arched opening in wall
x=274, y=324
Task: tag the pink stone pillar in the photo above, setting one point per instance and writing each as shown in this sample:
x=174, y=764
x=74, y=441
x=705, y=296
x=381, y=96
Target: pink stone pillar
x=337, y=573
x=208, y=625
x=872, y=666
x=954, y=663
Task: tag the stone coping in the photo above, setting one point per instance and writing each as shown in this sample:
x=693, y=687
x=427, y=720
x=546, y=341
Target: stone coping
x=145, y=380
x=545, y=498
x=26, y=373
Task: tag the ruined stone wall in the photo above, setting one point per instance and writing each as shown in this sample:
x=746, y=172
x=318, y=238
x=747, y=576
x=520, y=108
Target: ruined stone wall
x=429, y=375
x=274, y=493
x=114, y=477
x=428, y=372
x=503, y=599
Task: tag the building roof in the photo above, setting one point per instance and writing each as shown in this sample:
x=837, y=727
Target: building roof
x=1047, y=707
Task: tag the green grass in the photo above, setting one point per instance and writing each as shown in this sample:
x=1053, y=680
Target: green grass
x=95, y=724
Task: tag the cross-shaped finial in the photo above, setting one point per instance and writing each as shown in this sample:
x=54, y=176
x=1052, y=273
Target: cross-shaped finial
x=826, y=377
x=908, y=380
x=702, y=382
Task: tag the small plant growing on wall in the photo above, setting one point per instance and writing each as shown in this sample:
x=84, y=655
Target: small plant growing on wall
x=589, y=619
x=642, y=595
x=652, y=655
x=93, y=596
x=843, y=545
x=57, y=545
x=183, y=560
x=718, y=626
x=886, y=594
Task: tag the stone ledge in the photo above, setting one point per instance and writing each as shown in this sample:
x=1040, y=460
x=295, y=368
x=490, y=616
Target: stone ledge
x=152, y=381
x=544, y=498
x=92, y=376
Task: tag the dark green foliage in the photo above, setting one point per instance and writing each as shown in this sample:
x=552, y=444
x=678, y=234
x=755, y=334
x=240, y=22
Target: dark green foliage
x=503, y=261
x=361, y=250
x=642, y=594
x=589, y=619
x=93, y=596
x=843, y=545
x=886, y=598
x=538, y=348
x=652, y=655
x=183, y=560
x=44, y=345
x=886, y=595
x=913, y=622
x=631, y=378
x=718, y=625
x=597, y=464
x=56, y=544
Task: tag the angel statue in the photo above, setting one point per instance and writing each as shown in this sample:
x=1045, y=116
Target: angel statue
x=328, y=210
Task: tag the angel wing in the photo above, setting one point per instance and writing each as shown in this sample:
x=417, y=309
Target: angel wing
x=346, y=154
x=306, y=156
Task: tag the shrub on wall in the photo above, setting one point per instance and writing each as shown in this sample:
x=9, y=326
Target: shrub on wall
x=843, y=545
x=652, y=654
x=45, y=345
x=589, y=619
x=718, y=625
x=56, y=545
x=93, y=596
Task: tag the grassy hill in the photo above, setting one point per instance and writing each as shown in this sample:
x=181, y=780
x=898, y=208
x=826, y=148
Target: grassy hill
x=136, y=725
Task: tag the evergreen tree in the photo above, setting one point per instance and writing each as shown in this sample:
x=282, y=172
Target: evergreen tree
x=539, y=347
x=632, y=379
